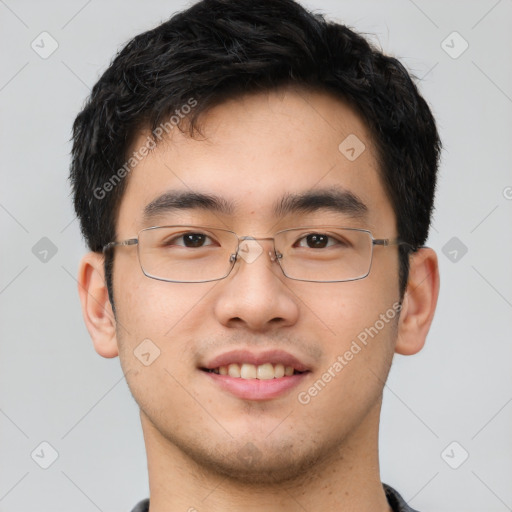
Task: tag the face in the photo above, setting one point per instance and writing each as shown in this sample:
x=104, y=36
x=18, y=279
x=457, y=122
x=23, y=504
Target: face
x=255, y=152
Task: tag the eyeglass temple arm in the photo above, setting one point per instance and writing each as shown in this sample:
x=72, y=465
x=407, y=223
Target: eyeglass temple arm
x=392, y=241
x=130, y=241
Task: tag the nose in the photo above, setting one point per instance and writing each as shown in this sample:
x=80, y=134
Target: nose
x=256, y=293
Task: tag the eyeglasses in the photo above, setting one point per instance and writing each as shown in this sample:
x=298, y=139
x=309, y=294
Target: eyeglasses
x=198, y=254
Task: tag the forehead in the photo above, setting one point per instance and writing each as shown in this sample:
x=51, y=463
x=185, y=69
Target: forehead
x=256, y=151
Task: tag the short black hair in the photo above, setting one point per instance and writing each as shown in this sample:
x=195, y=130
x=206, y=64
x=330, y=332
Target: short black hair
x=219, y=49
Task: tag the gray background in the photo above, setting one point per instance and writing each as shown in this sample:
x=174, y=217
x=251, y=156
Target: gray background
x=55, y=388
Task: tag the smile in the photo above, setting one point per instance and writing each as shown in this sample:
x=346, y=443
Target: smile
x=252, y=375
x=265, y=371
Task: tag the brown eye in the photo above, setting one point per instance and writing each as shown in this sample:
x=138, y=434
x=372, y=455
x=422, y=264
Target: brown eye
x=317, y=241
x=188, y=240
x=194, y=240
x=321, y=241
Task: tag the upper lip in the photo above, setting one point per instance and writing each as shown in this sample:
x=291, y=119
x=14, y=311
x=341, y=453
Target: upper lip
x=255, y=358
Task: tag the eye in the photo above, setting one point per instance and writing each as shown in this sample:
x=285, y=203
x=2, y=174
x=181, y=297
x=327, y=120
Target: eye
x=189, y=240
x=317, y=241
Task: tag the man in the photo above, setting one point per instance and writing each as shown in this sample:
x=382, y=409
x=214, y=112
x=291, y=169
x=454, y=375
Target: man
x=255, y=185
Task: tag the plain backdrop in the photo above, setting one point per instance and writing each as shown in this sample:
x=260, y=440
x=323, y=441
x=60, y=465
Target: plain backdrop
x=445, y=441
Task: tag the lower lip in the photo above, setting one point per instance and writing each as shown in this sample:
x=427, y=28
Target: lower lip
x=256, y=389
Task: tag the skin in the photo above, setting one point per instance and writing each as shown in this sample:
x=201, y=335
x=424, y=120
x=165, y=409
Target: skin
x=319, y=456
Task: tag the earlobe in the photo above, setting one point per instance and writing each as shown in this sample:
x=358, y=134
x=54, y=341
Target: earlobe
x=96, y=308
x=419, y=302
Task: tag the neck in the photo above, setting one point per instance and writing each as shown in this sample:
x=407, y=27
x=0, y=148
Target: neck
x=346, y=479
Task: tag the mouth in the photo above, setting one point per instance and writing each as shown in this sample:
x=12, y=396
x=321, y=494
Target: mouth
x=265, y=371
x=256, y=376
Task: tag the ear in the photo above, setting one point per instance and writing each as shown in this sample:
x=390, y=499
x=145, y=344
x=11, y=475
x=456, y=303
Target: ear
x=96, y=308
x=419, y=302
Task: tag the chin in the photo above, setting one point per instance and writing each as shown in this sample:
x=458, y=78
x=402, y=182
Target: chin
x=275, y=463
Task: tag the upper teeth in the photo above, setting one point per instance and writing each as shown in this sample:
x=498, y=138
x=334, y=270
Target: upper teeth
x=264, y=371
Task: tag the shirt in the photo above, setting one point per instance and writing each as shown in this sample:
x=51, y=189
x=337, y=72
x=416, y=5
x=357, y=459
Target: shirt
x=396, y=502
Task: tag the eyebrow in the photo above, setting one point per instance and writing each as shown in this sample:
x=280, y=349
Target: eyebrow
x=334, y=199
x=175, y=201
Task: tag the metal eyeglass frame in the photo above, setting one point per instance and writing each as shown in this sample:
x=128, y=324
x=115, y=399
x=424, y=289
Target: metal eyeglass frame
x=274, y=255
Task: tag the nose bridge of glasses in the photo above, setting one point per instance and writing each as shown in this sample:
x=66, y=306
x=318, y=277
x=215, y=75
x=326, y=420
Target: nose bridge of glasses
x=250, y=248
x=255, y=238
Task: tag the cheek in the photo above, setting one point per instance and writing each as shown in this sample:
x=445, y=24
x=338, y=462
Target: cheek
x=164, y=313
x=157, y=325
x=357, y=325
x=342, y=310
x=149, y=307
x=358, y=333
